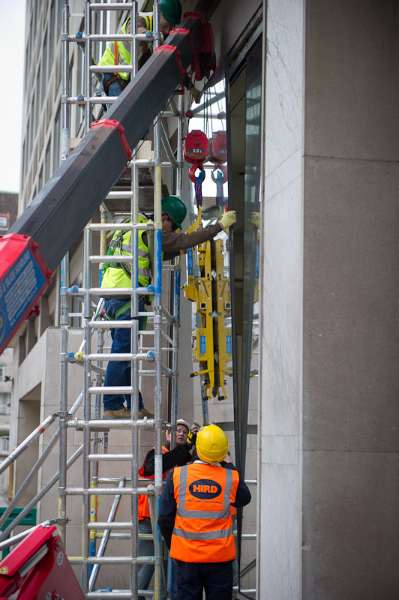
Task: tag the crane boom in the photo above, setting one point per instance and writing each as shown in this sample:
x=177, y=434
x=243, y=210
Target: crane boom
x=55, y=218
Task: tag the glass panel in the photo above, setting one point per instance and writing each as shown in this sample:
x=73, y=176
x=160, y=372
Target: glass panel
x=250, y=310
x=225, y=329
x=208, y=265
x=244, y=137
x=5, y=403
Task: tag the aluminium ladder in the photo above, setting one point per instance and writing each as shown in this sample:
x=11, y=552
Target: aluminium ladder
x=93, y=484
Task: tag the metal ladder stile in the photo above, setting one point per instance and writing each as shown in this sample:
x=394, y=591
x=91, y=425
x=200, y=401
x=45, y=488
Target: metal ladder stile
x=134, y=339
x=157, y=327
x=64, y=317
x=86, y=407
x=134, y=350
x=93, y=483
x=177, y=278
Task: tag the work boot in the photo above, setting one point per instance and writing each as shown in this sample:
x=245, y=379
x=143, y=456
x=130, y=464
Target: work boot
x=122, y=413
x=145, y=413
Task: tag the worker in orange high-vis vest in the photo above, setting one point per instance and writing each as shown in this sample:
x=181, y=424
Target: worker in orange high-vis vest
x=195, y=518
x=180, y=455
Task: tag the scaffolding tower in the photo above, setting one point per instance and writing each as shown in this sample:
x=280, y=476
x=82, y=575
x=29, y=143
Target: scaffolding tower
x=146, y=345
x=157, y=341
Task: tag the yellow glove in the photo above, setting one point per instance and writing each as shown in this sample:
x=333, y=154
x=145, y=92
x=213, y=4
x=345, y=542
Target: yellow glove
x=228, y=219
x=191, y=438
x=255, y=219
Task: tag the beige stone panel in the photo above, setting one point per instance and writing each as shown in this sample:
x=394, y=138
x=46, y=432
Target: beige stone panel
x=351, y=67
x=350, y=525
x=351, y=322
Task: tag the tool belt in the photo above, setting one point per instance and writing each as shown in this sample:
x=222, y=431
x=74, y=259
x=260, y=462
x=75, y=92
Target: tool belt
x=122, y=82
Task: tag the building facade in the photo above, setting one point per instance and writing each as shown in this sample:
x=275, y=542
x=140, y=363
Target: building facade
x=313, y=93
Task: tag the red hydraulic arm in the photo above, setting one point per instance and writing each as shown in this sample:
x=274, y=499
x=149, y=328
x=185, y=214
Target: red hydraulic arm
x=39, y=568
x=23, y=278
x=56, y=217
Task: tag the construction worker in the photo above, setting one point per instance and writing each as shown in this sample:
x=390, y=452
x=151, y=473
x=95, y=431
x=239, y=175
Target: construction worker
x=117, y=275
x=118, y=53
x=180, y=455
x=195, y=518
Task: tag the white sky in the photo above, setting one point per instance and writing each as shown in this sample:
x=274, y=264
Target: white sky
x=12, y=31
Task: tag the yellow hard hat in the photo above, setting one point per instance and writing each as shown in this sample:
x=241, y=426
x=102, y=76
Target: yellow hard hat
x=212, y=445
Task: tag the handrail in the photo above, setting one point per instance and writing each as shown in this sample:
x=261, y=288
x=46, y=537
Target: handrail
x=27, y=442
x=39, y=496
x=39, y=462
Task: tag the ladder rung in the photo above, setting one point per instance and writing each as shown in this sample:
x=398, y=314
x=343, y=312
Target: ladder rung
x=125, y=258
x=105, y=292
x=119, y=226
x=94, y=100
x=120, y=536
x=118, y=357
x=104, y=525
x=101, y=424
x=117, y=324
x=120, y=389
x=100, y=491
x=113, y=37
x=110, y=457
x=119, y=595
x=79, y=425
x=111, y=6
x=116, y=560
x=111, y=69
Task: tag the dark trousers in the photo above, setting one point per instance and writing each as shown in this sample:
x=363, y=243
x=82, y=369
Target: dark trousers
x=118, y=373
x=215, y=578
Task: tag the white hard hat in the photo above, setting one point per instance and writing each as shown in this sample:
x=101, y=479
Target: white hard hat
x=183, y=422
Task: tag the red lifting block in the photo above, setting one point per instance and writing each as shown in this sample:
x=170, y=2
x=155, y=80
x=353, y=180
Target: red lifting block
x=39, y=568
x=23, y=278
x=196, y=147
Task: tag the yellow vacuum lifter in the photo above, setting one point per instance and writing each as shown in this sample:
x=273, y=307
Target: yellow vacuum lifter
x=211, y=342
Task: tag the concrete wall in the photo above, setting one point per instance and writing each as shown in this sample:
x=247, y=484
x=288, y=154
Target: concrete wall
x=330, y=380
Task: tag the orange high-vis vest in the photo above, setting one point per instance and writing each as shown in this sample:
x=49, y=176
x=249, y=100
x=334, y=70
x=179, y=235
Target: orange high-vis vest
x=144, y=506
x=203, y=530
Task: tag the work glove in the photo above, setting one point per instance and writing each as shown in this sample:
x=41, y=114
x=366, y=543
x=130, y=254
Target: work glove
x=255, y=219
x=191, y=438
x=196, y=94
x=228, y=219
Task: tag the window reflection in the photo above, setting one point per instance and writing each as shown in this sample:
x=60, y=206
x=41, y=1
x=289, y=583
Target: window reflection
x=208, y=266
x=250, y=311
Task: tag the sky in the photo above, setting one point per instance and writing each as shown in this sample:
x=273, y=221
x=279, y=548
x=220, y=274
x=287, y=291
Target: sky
x=12, y=31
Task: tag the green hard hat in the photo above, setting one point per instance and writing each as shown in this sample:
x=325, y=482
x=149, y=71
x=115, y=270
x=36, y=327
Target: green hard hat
x=175, y=209
x=171, y=10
